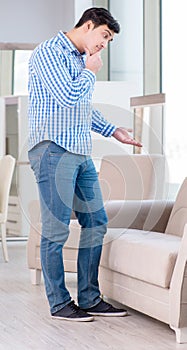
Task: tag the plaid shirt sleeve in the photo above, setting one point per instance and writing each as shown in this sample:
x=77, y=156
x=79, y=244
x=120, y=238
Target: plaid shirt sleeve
x=57, y=79
x=101, y=125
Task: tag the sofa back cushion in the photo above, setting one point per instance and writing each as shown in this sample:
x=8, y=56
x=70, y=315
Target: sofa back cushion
x=178, y=217
x=132, y=176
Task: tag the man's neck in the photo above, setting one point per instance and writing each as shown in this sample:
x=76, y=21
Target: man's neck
x=74, y=36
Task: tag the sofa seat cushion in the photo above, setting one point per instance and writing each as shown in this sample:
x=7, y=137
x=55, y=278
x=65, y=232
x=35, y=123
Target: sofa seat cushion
x=144, y=255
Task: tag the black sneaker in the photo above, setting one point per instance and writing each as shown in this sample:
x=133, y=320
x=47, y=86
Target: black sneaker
x=105, y=309
x=72, y=312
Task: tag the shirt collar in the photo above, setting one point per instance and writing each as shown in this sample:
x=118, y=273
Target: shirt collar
x=68, y=44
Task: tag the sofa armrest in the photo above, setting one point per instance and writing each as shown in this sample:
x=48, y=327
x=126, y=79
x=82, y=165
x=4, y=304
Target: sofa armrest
x=178, y=287
x=139, y=214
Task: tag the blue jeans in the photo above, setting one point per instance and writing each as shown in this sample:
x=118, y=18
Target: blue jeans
x=67, y=182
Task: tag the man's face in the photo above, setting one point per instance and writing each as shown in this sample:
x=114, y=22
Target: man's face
x=97, y=38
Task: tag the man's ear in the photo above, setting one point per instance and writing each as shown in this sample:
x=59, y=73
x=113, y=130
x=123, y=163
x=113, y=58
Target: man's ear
x=88, y=26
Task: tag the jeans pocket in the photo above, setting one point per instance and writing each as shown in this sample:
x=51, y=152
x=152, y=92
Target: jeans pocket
x=35, y=165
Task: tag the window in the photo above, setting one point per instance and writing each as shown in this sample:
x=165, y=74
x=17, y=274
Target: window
x=126, y=52
x=20, y=71
x=123, y=61
x=174, y=28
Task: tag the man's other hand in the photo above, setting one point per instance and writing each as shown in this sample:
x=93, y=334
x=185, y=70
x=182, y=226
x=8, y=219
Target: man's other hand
x=122, y=135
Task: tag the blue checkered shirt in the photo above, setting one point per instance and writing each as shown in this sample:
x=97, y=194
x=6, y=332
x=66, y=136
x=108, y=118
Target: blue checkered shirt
x=60, y=98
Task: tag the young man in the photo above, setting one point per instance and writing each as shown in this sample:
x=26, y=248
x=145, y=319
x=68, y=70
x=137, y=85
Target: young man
x=61, y=82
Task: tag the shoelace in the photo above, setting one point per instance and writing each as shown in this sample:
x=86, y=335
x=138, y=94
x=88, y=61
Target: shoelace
x=74, y=307
x=107, y=305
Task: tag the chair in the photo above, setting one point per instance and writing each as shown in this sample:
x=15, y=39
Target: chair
x=7, y=164
x=141, y=174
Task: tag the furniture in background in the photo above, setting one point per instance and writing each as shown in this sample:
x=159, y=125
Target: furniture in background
x=148, y=111
x=144, y=258
x=14, y=141
x=121, y=177
x=7, y=164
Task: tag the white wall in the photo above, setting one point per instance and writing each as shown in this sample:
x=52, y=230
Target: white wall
x=80, y=7
x=112, y=98
x=34, y=21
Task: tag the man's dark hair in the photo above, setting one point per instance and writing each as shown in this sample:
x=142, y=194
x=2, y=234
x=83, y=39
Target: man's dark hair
x=99, y=16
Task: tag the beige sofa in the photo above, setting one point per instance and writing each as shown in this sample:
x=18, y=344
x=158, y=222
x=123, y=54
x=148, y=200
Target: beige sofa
x=144, y=258
x=127, y=176
x=143, y=263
